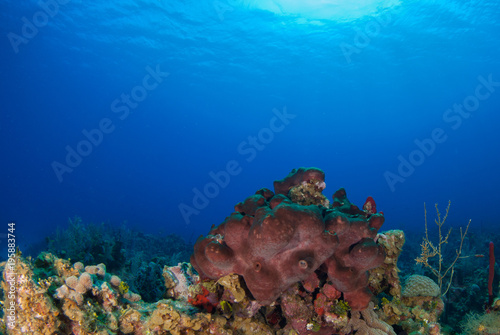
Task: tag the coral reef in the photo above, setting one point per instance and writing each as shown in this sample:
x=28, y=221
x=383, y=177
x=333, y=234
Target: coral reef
x=65, y=298
x=288, y=262
x=417, y=308
x=418, y=314
x=102, y=304
x=55, y=297
x=273, y=242
x=385, y=278
x=135, y=257
x=29, y=309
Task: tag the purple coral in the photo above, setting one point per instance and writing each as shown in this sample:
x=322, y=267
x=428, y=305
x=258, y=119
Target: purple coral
x=273, y=243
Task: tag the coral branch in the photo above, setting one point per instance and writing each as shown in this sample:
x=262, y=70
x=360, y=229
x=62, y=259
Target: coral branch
x=430, y=250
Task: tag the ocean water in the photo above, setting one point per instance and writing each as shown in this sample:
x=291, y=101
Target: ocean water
x=165, y=114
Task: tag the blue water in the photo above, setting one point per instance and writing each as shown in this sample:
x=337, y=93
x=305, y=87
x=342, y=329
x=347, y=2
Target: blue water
x=169, y=92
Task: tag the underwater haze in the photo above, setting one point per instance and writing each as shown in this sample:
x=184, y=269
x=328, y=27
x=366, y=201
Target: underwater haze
x=165, y=114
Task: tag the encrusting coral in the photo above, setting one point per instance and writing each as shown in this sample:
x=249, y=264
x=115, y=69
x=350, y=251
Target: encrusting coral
x=385, y=278
x=65, y=297
x=417, y=308
x=31, y=310
x=367, y=322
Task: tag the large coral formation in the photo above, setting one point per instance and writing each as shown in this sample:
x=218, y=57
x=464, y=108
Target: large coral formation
x=417, y=285
x=273, y=242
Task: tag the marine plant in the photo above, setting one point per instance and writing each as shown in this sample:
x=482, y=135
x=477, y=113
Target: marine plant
x=487, y=323
x=443, y=272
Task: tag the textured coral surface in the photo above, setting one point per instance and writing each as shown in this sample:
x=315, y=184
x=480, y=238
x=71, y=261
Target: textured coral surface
x=273, y=242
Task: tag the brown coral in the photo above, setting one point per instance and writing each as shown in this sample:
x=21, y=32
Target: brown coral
x=274, y=243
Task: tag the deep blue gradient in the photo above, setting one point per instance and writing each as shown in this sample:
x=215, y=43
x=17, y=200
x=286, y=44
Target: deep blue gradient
x=363, y=90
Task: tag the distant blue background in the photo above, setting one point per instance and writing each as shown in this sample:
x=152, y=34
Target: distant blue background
x=230, y=63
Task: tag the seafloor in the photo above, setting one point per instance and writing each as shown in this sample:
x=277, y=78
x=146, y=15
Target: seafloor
x=288, y=261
